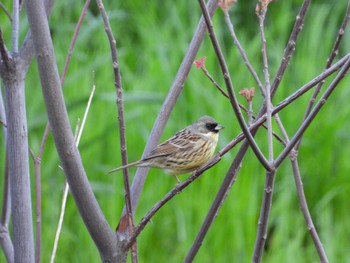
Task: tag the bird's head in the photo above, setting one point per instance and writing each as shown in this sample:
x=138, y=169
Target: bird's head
x=207, y=125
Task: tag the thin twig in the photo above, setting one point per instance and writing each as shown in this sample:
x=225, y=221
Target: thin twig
x=293, y=156
x=227, y=78
x=305, y=210
x=74, y=38
x=63, y=207
x=242, y=52
x=289, y=50
x=249, y=111
x=264, y=216
x=78, y=132
x=267, y=90
x=270, y=175
x=78, y=137
x=206, y=73
x=37, y=163
x=259, y=121
x=330, y=59
x=60, y=221
x=65, y=68
x=122, y=136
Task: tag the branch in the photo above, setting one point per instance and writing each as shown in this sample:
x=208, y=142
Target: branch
x=232, y=173
x=249, y=111
x=330, y=59
x=233, y=99
x=15, y=26
x=270, y=175
x=26, y=52
x=293, y=156
x=18, y=165
x=69, y=155
x=242, y=52
x=264, y=216
x=122, y=136
x=17, y=151
x=178, y=188
x=289, y=50
x=304, y=208
x=267, y=90
x=37, y=163
x=313, y=113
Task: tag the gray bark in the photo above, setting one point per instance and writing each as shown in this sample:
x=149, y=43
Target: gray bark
x=18, y=164
x=89, y=209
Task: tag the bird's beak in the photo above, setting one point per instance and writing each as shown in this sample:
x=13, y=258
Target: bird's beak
x=219, y=127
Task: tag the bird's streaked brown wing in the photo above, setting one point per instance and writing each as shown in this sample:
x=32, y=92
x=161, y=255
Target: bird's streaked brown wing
x=181, y=141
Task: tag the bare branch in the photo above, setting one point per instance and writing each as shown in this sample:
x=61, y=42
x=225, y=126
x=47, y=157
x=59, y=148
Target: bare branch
x=74, y=38
x=26, y=52
x=122, y=136
x=242, y=52
x=289, y=50
x=270, y=175
x=264, y=216
x=69, y=155
x=301, y=196
x=37, y=163
x=60, y=221
x=15, y=26
x=330, y=59
x=227, y=78
x=313, y=113
x=18, y=166
x=267, y=90
x=304, y=208
x=235, y=166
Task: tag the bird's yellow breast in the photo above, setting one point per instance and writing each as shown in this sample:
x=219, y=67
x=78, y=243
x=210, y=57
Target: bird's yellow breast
x=213, y=136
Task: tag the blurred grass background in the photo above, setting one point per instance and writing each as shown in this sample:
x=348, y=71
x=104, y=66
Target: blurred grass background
x=152, y=38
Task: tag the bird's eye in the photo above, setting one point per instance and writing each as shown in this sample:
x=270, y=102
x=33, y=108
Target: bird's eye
x=211, y=127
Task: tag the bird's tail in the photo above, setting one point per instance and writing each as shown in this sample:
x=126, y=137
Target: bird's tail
x=125, y=166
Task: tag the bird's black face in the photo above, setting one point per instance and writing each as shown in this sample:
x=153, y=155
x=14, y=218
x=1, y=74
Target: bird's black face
x=206, y=125
x=212, y=127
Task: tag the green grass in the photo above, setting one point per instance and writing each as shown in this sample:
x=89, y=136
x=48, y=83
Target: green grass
x=152, y=38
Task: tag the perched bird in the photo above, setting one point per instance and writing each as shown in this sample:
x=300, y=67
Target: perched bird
x=186, y=151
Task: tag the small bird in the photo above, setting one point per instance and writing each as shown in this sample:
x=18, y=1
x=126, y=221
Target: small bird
x=186, y=151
